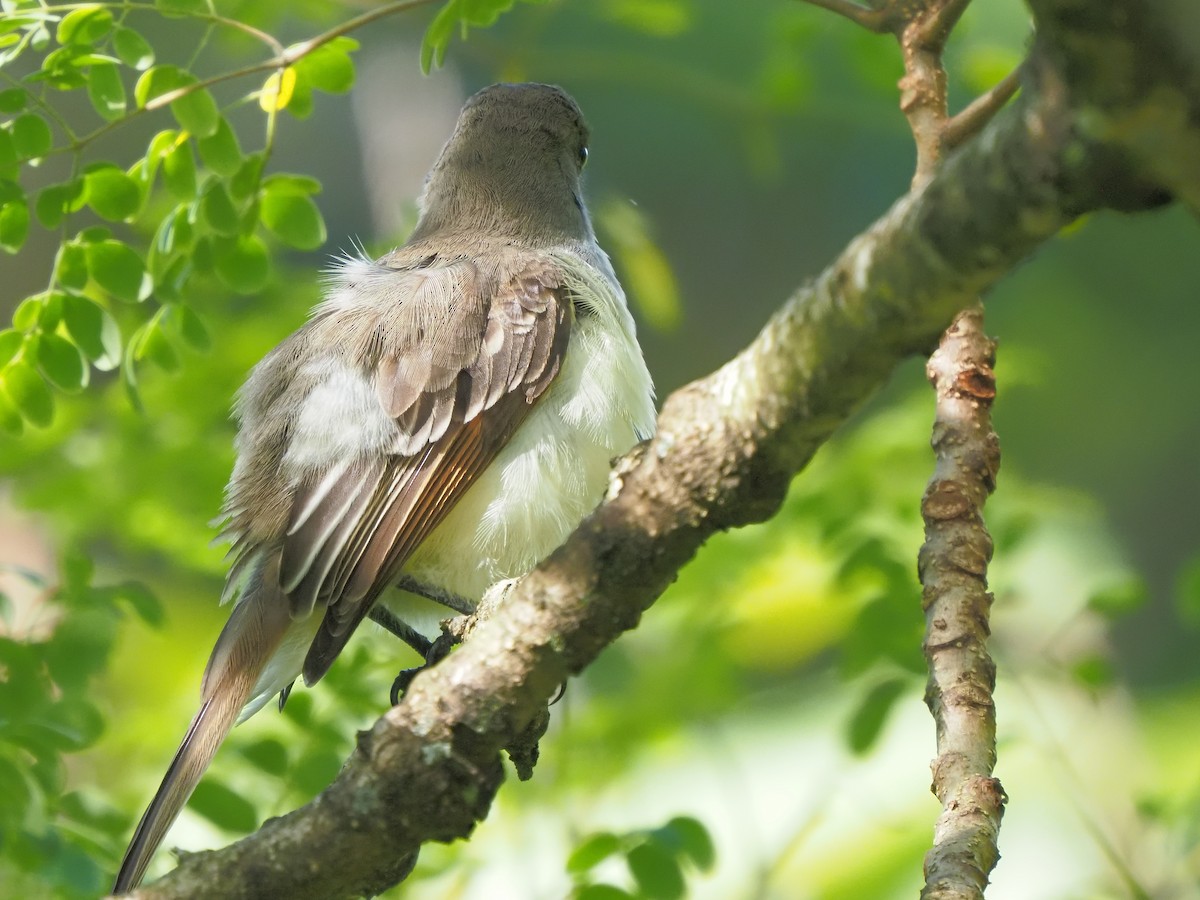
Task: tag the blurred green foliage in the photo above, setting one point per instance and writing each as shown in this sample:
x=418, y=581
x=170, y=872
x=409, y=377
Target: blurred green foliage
x=768, y=709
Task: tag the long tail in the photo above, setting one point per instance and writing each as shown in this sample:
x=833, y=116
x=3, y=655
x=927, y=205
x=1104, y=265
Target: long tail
x=250, y=638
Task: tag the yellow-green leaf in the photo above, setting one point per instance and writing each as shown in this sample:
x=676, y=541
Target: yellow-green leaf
x=277, y=90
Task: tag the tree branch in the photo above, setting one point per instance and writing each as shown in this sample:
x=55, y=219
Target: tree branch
x=953, y=567
x=728, y=445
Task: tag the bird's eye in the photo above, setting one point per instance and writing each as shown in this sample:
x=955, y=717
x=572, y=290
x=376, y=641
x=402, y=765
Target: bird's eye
x=583, y=154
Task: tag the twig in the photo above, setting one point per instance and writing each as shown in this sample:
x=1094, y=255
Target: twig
x=922, y=28
x=969, y=121
x=953, y=567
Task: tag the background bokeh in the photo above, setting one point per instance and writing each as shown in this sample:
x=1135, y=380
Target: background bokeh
x=775, y=692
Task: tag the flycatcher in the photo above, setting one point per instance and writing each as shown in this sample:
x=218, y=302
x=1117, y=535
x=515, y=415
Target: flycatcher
x=444, y=419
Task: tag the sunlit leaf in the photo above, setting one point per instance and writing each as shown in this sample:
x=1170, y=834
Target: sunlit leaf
x=94, y=330
x=242, y=263
x=689, y=836
x=277, y=90
x=218, y=210
x=329, y=68
x=111, y=193
x=220, y=150
x=28, y=392
x=293, y=218
x=118, y=269
x=31, y=136
x=61, y=362
x=179, y=171
x=459, y=15
x=106, y=91
x=153, y=345
x=14, y=224
x=197, y=112
x=84, y=25
x=593, y=851
x=656, y=872
x=55, y=201
x=645, y=271
x=133, y=49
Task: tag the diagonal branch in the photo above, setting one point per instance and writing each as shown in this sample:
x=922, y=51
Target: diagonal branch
x=726, y=449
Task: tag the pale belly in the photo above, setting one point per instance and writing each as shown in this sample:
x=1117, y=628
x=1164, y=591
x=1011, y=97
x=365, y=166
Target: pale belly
x=546, y=479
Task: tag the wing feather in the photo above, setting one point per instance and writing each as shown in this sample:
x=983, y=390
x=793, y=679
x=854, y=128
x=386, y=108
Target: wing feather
x=456, y=392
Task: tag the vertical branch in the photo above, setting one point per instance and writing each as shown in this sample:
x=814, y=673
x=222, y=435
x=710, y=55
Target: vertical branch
x=953, y=569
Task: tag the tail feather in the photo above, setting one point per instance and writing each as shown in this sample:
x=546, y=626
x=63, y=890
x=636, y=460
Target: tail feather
x=250, y=638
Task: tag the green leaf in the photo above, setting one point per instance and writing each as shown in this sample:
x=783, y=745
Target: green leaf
x=248, y=177
x=70, y=266
x=329, y=67
x=1093, y=672
x=220, y=150
x=111, y=193
x=85, y=25
x=8, y=156
x=51, y=310
x=152, y=344
x=61, y=362
x=269, y=755
x=175, y=233
x=242, y=263
x=118, y=269
x=133, y=49
x=661, y=18
x=218, y=210
x=644, y=268
x=290, y=183
x=13, y=100
x=190, y=328
x=93, y=330
x=223, y=807
x=692, y=838
x=14, y=224
x=458, y=14
x=593, y=851
x=868, y=720
x=31, y=136
x=141, y=600
x=656, y=872
x=11, y=341
x=28, y=312
x=159, y=80
x=11, y=422
x=197, y=112
x=177, y=8
x=293, y=218
x=1119, y=598
x=179, y=171
x=28, y=392
x=106, y=91
x=55, y=201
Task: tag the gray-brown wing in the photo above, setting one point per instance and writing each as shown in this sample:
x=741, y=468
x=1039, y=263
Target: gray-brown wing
x=456, y=399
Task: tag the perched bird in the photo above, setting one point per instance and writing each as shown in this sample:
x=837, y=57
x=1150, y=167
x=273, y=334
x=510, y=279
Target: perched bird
x=443, y=421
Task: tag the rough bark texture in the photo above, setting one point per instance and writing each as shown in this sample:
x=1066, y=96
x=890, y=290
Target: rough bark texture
x=1109, y=116
x=953, y=567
